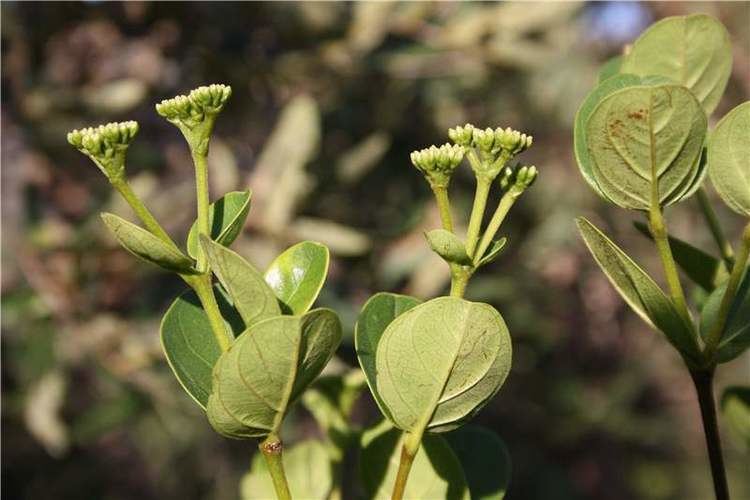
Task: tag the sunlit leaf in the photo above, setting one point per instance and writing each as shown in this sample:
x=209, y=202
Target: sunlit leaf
x=640, y=292
x=297, y=275
x=644, y=139
x=146, y=246
x=439, y=363
x=227, y=217
x=729, y=159
x=267, y=368
x=253, y=298
x=694, y=51
x=610, y=68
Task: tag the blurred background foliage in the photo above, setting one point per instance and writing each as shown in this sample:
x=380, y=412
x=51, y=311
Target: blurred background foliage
x=329, y=99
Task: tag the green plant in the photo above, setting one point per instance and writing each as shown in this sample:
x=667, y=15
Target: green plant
x=431, y=366
x=244, y=348
x=642, y=143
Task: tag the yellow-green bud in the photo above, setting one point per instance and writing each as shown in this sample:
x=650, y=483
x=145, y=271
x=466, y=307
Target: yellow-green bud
x=195, y=113
x=484, y=140
x=511, y=141
x=106, y=145
x=517, y=179
x=438, y=164
x=462, y=135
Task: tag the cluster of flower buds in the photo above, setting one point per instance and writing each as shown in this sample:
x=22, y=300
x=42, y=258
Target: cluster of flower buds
x=497, y=147
x=106, y=145
x=515, y=180
x=438, y=164
x=195, y=113
x=193, y=108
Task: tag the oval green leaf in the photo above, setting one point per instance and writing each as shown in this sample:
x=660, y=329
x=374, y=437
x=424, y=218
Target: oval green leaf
x=376, y=315
x=448, y=246
x=694, y=51
x=250, y=294
x=485, y=460
x=267, y=368
x=435, y=473
x=639, y=291
x=735, y=339
x=597, y=95
x=307, y=470
x=646, y=140
x=226, y=217
x=146, y=246
x=297, y=275
x=440, y=362
x=189, y=344
x=729, y=159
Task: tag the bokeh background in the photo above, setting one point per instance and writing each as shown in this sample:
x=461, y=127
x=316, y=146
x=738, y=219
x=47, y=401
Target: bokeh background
x=329, y=99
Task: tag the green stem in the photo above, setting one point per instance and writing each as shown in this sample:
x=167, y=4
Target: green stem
x=409, y=450
x=204, y=290
x=497, y=219
x=201, y=189
x=460, y=276
x=703, y=381
x=659, y=232
x=272, y=448
x=725, y=248
x=444, y=205
x=123, y=187
x=477, y=214
x=738, y=270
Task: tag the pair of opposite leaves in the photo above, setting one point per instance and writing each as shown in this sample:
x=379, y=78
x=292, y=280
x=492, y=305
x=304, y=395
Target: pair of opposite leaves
x=278, y=346
x=641, y=131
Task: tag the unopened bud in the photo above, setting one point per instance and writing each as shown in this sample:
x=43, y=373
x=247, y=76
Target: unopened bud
x=438, y=164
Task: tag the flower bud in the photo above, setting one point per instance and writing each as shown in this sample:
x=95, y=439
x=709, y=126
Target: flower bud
x=462, y=136
x=195, y=113
x=438, y=164
x=517, y=179
x=511, y=141
x=484, y=140
x=106, y=145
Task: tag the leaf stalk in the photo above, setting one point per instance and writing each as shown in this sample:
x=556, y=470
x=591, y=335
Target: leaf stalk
x=409, y=450
x=272, y=449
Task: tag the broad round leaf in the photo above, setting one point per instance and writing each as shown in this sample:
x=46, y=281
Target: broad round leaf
x=597, y=95
x=307, y=469
x=610, y=68
x=640, y=292
x=646, y=141
x=735, y=339
x=729, y=159
x=376, y=315
x=253, y=298
x=448, y=246
x=227, y=217
x=267, y=368
x=440, y=362
x=485, y=460
x=189, y=344
x=435, y=473
x=694, y=51
x=297, y=275
x=146, y=246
